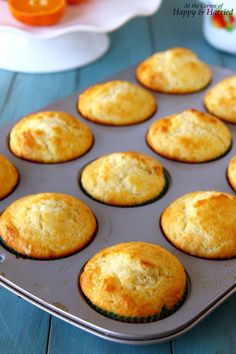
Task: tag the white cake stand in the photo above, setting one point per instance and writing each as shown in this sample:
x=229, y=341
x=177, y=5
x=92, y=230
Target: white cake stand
x=78, y=39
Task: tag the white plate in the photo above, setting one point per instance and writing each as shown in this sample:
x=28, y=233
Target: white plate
x=79, y=36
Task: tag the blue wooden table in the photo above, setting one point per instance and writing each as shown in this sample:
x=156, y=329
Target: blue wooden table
x=23, y=327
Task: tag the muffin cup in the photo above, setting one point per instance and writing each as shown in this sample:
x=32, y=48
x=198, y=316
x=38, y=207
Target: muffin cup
x=23, y=256
x=150, y=201
x=2, y=243
x=164, y=311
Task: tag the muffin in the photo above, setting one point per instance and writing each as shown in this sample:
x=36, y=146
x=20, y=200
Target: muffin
x=124, y=179
x=202, y=224
x=190, y=136
x=116, y=103
x=9, y=177
x=231, y=173
x=176, y=70
x=220, y=100
x=134, y=282
x=47, y=226
x=50, y=137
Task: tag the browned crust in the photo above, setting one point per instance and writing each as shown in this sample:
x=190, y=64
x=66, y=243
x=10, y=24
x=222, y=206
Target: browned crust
x=217, y=116
x=195, y=252
x=165, y=283
x=116, y=125
x=30, y=142
x=176, y=52
x=94, y=174
x=30, y=244
x=163, y=124
x=9, y=179
x=221, y=100
x=13, y=188
x=38, y=161
x=228, y=178
x=98, y=121
x=173, y=92
x=191, y=162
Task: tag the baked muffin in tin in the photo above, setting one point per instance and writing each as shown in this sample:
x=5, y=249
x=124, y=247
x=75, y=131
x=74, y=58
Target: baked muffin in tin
x=176, y=70
x=47, y=226
x=220, y=100
x=202, y=224
x=116, y=103
x=124, y=179
x=231, y=173
x=134, y=282
x=9, y=177
x=190, y=136
x=50, y=137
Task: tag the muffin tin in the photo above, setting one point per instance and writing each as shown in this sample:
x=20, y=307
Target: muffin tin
x=53, y=285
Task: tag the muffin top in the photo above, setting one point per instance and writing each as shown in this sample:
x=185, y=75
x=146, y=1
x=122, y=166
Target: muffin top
x=231, y=173
x=190, y=136
x=202, y=224
x=8, y=177
x=176, y=70
x=124, y=179
x=116, y=103
x=134, y=279
x=50, y=137
x=220, y=100
x=47, y=225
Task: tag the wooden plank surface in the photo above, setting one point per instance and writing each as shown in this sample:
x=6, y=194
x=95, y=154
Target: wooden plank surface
x=214, y=335
x=67, y=339
x=26, y=329
x=23, y=327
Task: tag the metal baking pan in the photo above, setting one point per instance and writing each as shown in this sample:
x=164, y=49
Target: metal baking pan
x=53, y=285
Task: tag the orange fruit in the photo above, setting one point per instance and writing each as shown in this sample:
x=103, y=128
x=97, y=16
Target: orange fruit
x=37, y=12
x=74, y=2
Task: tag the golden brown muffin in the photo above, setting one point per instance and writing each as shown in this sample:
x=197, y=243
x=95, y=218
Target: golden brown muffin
x=50, y=137
x=9, y=177
x=190, y=136
x=231, y=173
x=176, y=70
x=220, y=100
x=134, y=282
x=47, y=225
x=124, y=179
x=202, y=224
x=116, y=103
